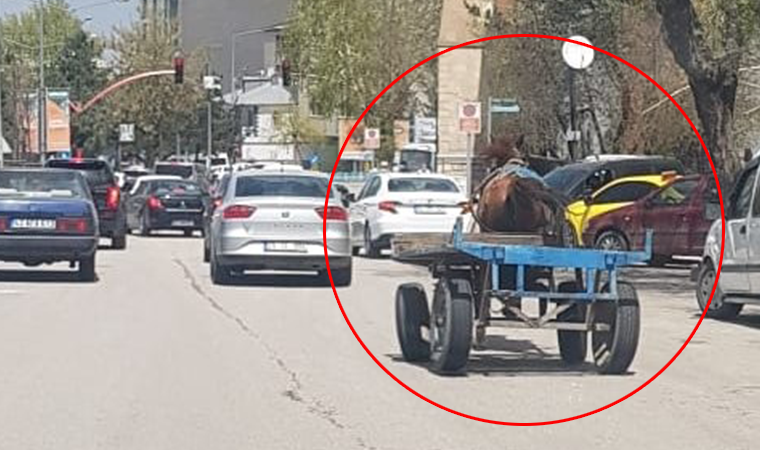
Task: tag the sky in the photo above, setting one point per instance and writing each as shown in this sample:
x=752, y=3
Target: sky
x=106, y=14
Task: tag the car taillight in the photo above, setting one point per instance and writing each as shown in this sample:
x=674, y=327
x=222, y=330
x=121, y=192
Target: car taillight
x=238, y=212
x=3, y=224
x=217, y=203
x=388, y=206
x=333, y=213
x=154, y=203
x=72, y=225
x=113, y=195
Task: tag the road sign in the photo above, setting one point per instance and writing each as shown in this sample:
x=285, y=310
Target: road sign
x=504, y=106
x=371, y=138
x=127, y=132
x=577, y=56
x=425, y=130
x=470, y=117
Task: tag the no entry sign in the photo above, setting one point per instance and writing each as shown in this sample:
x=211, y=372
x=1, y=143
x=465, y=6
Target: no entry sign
x=470, y=117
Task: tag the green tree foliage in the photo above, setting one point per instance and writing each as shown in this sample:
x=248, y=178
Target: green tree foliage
x=347, y=52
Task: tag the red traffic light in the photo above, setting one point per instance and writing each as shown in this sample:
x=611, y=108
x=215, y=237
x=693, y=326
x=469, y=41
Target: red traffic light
x=179, y=70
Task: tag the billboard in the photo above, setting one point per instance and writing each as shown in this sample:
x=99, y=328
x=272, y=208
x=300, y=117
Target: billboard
x=58, y=122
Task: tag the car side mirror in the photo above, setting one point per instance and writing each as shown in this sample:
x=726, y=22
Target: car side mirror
x=350, y=197
x=588, y=197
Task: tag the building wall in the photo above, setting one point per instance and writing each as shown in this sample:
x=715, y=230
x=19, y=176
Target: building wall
x=458, y=81
x=211, y=24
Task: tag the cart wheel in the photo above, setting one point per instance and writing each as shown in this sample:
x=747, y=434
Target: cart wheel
x=412, y=314
x=451, y=327
x=615, y=348
x=573, y=345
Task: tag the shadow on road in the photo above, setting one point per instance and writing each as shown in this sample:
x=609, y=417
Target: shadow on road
x=39, y=276
x=670, y=280
x=515, y=357
x=745, y=320
x=288, y=281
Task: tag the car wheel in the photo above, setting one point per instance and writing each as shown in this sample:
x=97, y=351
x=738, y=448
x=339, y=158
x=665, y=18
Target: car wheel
x=718, y=308
x=86, y=271
x=371, y=249
x=612, y=240
x=144, y=227
x=206, y=252
x=119, y=242
x=220, y=274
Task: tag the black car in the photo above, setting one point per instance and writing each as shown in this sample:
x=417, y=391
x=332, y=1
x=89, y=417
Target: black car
x=48, y=216
x=106, y=194
x=167, y=205
x=574, y=180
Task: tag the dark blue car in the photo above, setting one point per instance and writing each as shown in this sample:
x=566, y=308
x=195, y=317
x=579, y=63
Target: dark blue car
x=48, y=216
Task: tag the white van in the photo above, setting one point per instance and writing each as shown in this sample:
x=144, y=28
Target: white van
x=739, y=282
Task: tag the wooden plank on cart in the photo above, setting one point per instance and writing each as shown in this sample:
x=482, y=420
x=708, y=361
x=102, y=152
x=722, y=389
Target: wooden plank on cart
x=426, y=248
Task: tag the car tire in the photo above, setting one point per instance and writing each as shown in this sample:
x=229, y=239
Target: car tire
x=371, y=249
x=144, y=229
x=119, y=241
x=612, y=240
x=86, y=271
x=220, y=275
x=206, y=252
x=341, y=277
x=718, y=308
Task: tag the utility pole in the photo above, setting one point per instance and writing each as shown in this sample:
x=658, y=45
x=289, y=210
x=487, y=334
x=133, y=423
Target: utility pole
x=42, y=94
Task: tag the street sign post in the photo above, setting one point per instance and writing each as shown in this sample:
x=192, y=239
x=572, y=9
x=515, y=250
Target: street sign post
x=470, y=123
x=371, y=139
x=577, y=57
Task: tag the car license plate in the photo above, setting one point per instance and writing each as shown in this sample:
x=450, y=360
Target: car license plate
x=429, y=210
x=33, y=224
x=183, y=223
x=287, y=247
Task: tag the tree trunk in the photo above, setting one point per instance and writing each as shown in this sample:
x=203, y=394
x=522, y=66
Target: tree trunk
x=715, y=100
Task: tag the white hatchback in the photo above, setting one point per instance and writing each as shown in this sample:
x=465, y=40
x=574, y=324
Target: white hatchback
x=403, y=203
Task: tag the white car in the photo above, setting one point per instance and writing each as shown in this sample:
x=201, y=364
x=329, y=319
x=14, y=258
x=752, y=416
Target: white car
x=739, y=282
x=396, y=203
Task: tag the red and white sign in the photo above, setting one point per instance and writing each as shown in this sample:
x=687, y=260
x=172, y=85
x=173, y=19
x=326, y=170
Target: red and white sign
x=371, y=139
x=470, y=117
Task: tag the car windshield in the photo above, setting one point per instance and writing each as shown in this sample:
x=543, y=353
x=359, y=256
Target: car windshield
x=97, y=173
x=422, y=185
x=564, y=179
x=281, y=186
x=416, y=159
x=179, y=170
x=175, y=187
x=35, y=184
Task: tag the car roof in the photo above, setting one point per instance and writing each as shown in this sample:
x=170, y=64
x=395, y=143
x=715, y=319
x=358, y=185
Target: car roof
x=439, y=176
x=658, y=180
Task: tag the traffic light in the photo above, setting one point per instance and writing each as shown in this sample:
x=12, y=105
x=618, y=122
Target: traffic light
x=286, y=79
x=179, y=70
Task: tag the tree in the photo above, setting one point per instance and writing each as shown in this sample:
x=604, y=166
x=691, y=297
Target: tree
x=347, y=52
x=708, y=40
x=160, y=109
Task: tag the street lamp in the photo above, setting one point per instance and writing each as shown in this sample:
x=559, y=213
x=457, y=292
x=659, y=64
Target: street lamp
x=270, y=29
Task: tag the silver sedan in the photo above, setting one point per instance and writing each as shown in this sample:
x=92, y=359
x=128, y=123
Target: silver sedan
x=272, y=220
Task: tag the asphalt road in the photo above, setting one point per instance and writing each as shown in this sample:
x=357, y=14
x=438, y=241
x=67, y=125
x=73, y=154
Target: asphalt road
x=155, y=357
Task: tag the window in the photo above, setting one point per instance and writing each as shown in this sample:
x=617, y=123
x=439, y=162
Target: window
x=180, y=170
x=743, y=195
x=422, y=185
x=176, y=187
x=624, y=192
x=38, y=184
x=281, y=186
x=97, y=173
x=677, y=193
x=373, y=188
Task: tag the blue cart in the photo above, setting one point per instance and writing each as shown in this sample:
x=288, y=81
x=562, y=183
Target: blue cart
x=473, y=275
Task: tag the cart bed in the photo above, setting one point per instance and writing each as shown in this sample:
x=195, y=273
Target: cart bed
x=424, y=249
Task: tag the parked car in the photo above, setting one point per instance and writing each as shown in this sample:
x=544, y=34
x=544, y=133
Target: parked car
x=680, y=214
x=578, y=179
x=394, y=203
x=167, y=204
x=273, y=220
x=105, y=191
x=611, y=197
x=131, y=174
x=48, y=216
x=739, y=282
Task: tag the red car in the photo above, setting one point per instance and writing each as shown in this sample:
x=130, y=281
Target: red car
x=680, y=214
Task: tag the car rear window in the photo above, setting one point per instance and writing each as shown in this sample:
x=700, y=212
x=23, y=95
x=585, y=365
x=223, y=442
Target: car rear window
x=176, y=187
x=97, y=173
x=36, y=184
x=422, y=185
x=183, y=171
x=281, y=186
x=565, y=179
